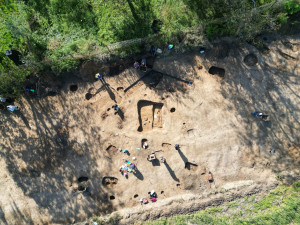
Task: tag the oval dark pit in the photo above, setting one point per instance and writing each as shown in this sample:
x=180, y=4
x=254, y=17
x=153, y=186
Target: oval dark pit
x=82, y=179
x=73, y=87
x=217, y=71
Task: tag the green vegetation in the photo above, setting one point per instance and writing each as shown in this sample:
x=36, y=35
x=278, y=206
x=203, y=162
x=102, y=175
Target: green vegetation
x=57, y=35
x=280, y=206
x=114, y=220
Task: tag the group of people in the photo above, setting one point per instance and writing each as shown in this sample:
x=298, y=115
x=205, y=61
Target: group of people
x=152, y=157
x=152, y=197
x=13, y=108
x=128, y=167
x=142, y=66
x=9, y=107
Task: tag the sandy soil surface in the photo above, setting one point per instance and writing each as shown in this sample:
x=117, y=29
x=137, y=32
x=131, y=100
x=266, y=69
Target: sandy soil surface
x=60, y=155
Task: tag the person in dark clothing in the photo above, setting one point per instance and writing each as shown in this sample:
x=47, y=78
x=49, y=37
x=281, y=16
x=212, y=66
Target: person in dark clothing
x=152, y=50
x=98, y=76
x=260, y=115
x=152, y=194
x=143, y=66
x=116, y=107
x=156, y=25
x=210, y=177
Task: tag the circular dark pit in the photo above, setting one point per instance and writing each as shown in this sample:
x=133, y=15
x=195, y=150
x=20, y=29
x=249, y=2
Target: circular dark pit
x=136, y=195
x=88, y=96
x=172, y=110
x=73, y=87
x=264, y=49
x=250, y=60
x=108, y=109
x=81, y=188
x=112, y=197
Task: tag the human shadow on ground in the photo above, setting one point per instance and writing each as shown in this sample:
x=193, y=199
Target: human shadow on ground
x=138, y=175
x=184, y=159
x=137, y=81
x=109, y=91
x=155, y=162
x=120, y=113
x=171, y=172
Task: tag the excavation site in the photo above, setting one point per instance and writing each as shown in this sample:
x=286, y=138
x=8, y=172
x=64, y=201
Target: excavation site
x=191, y=130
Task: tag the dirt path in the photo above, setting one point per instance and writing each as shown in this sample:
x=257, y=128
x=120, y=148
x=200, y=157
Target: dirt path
x=60, y=157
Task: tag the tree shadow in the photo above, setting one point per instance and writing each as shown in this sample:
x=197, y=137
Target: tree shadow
x=201, y=7
x=269, y=88
x=2, y=217
x=81, y=14
x=51, y=162
x=171, y=172
x=21, y=115
x=139, y=24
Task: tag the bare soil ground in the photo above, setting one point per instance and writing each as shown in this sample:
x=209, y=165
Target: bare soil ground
x=60, y=155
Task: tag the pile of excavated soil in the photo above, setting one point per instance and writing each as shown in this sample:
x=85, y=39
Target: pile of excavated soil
x=60, y=155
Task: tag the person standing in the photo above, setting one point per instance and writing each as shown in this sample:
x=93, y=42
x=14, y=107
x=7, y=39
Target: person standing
x=98, y=76
x=116, y=107
x=152, y=50
x=2, y=99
